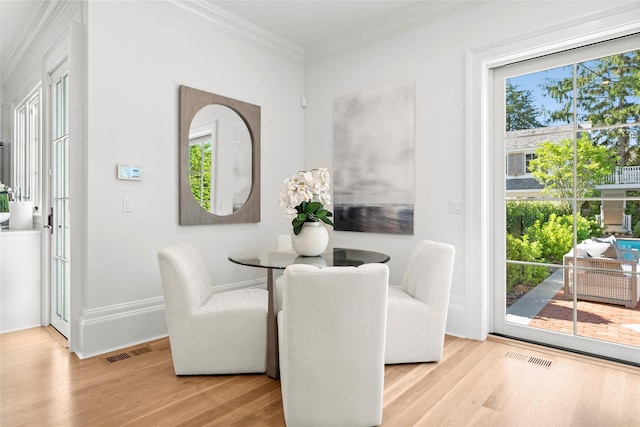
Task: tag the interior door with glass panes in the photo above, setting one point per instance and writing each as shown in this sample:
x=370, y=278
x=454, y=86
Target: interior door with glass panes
x=567, y=199
x=60, y=242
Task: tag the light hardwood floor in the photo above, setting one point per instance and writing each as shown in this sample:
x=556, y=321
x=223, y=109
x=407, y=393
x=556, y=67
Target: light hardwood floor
x=493, y=383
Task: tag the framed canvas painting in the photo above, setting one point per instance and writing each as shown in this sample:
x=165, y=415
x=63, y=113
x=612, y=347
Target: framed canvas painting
x=374, y=160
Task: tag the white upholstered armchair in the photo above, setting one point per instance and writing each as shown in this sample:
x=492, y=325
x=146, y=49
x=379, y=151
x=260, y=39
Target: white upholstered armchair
x=331, y=332
x=210, y=333
x=417, y=310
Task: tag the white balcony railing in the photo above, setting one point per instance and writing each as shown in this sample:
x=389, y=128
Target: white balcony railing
x=624, y=175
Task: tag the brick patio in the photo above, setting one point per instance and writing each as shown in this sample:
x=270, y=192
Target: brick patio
x=595, y=320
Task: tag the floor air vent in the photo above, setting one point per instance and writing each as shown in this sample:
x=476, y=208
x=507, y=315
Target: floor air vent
x=118, y=357
x=139, y=351
x=540, y=362
x=514, y=355
x=124, y=356
x=545, y=363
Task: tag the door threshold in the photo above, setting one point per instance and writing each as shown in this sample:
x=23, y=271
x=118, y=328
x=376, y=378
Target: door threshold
x=60, y=339
x=565, y=352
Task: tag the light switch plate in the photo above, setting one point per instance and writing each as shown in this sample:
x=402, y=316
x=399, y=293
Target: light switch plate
x=127, y=204
x=455, y=206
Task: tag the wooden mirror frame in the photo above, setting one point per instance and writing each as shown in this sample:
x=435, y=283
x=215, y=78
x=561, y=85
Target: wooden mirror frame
x=191, y=213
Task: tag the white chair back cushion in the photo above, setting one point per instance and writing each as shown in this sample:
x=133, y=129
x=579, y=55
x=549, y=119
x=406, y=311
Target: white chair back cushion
x=184, y=263
x=210, y=333
x=332, y=334
x=417, y=311
x=429, y=271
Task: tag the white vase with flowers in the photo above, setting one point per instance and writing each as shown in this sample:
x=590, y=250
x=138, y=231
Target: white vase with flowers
x=304, y=197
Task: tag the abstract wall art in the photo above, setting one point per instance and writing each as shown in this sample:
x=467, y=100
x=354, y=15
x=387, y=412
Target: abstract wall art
x=374, y=133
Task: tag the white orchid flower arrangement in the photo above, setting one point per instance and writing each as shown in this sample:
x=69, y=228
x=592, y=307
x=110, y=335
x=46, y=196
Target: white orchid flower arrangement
x=304, y=196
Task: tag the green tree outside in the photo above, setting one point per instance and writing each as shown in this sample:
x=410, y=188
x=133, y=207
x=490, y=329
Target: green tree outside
x=553, y=167
x=521, y=112
x=200, y=158
x=607, y=94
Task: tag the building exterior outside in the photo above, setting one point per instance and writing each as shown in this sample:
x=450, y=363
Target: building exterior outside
x=520, y=149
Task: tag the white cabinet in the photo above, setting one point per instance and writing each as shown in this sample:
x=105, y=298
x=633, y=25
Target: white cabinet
x=20, y=281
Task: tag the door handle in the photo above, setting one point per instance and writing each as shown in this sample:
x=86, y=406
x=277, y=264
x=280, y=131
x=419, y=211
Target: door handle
x=49, y=224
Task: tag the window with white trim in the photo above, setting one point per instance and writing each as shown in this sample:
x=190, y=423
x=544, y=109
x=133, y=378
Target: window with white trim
x=26, y=149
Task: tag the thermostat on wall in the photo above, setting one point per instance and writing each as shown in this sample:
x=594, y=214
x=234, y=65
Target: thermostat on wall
x=130, y=172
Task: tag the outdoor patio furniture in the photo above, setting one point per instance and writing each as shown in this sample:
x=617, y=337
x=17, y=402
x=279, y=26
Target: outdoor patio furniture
x=610, y=277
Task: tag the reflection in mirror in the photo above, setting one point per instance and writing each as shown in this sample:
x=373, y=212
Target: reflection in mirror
x=219, y=159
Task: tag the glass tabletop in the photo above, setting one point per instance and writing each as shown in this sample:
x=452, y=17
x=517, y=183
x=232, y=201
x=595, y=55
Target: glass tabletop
x=272, y=258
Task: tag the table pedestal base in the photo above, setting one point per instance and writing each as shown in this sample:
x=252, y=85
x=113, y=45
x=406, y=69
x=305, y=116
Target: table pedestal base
x=273, y=362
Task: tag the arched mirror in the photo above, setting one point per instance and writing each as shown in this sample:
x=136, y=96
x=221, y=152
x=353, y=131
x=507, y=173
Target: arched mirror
x=219, y=159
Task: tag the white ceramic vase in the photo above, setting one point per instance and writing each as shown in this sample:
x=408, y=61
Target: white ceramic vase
x=312, y=240
x=4, y=216
x=21, y=215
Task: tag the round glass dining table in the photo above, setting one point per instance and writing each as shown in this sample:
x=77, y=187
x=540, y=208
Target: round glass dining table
x=271, y=259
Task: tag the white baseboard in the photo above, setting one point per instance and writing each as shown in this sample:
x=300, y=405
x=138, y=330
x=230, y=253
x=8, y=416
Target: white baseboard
x=111, y=328
x=456, y=317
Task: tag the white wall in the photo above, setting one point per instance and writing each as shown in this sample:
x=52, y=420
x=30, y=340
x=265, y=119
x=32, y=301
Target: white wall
x=138, y=54
x=433, y=56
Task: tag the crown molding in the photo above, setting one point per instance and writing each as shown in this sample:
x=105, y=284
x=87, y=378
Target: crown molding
x=231, y=25
x=414, y=16
x=404, y=20
x=22, y=59
x=24, y=38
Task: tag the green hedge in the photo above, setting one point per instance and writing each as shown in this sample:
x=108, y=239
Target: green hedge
x=522, y=249
x=541, y=232
x=555, y=235
x=523, y=214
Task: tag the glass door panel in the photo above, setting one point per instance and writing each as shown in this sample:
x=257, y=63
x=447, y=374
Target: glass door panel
x=570, y=200
x=60, y=262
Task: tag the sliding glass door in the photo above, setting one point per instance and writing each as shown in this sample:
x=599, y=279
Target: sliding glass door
x=567, y=197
